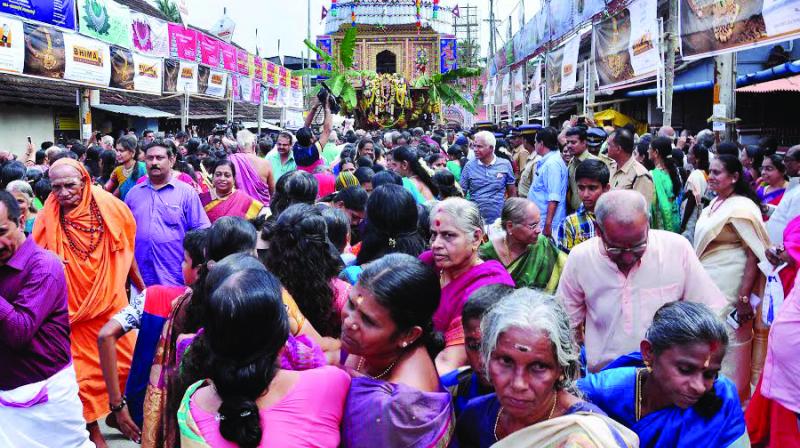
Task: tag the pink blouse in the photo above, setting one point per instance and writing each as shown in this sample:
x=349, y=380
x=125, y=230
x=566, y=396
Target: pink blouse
x=307, y=416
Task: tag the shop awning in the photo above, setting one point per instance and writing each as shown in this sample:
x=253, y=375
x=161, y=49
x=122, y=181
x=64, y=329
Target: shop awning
x=135, y=111
x=790, y=84
x=264, y=125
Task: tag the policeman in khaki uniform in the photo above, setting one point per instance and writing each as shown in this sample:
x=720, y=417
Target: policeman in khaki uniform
x=628, y=174
x=528, y=134
x=519, y=155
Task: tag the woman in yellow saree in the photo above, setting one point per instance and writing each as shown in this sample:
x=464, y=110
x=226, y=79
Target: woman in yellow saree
x=730, y=240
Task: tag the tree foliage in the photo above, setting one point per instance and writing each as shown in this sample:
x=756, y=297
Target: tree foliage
x=440, y=87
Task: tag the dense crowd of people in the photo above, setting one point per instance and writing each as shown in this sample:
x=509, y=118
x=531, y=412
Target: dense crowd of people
x=530, y=287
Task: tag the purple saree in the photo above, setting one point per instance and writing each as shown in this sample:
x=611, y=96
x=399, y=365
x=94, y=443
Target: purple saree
x=248, y=180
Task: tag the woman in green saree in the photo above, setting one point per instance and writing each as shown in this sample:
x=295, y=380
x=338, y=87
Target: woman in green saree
x=664, y=213
x=531, y=259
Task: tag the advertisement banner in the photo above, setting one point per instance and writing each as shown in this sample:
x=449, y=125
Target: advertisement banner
x=272, y=95
x=180, y=76
x=518, y=87
x=236, y=92
x=325, y=43
x=244, y=85
x=251, y=65
x=265, y=68
x=12, y=45
x=488, y=93
x=561, y=18
x=296, y=98
x=626, y=45
x=149, y=35
x=122, y=68
x=228, y=56
x=505, y=89
x=210, y=51
x=217, y=83
x=720, y=26
x=59, y=13
x=532, y=37
x=87, y=60
x=241, y=62
x=535, y=92
x=105, y=20
x=182, y=42
x=259, y=71
x=569, y=64
x=147, y=74
x=553, y=69
x=44, y=51
x=586, y=9
x=448, y=54
x=255, y=94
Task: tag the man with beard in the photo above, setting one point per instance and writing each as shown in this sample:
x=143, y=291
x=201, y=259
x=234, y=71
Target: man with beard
x=165, y=209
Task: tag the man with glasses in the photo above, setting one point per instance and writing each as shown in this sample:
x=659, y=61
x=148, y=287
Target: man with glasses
x=614, y=283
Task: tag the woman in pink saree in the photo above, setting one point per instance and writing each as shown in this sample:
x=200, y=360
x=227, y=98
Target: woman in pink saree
x=225, y=199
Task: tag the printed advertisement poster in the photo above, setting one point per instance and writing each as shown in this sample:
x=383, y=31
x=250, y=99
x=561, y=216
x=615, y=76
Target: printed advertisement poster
x=569, y=64
x=720, y=26
x=182, y=42
x=560, y=18
x=244, y=88
x=448, y=54
x=106, y=20
x=149, y=35
x=210, y=51
x=272, y=95
x=259, y=70
x=626, y=44
x=241, y=62
x=179, y=76
x=122, y=68
x=255, y=94
x=553, y=69
x=44, y=51
x=12, y=45
x=87, y=60
x=228, y=56
x=251, y=65
x=535, y=75
x=59, y=13
x=147, y=74
x=530, y=39
x=518, y=87
x=217, y=83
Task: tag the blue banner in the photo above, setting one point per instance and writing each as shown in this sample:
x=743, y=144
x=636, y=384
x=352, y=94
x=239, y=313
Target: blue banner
x=448, y=54
x=60, y=13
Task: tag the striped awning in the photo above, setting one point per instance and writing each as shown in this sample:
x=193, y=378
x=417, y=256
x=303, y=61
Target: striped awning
x=790, y=84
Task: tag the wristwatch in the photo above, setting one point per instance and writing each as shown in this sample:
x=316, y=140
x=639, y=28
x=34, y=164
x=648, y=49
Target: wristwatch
x=118, y=407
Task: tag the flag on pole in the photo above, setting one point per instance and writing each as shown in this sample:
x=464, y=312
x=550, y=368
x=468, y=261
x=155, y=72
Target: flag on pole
x=457, y=12
x=324, y=13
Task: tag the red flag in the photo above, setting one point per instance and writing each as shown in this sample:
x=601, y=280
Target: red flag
x=324, y=13
x=457, y=12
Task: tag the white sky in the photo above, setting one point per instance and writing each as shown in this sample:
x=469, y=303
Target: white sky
x=285, y=20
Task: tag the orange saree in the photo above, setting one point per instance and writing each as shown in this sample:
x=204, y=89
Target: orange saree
x=96, y=273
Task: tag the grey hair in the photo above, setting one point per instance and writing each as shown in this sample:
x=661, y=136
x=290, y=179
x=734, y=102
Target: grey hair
x=533, y=310
x=487, y=138
x=245, y=139
x=514, y=210
x=682, y=323
x=107, y=140
x=22, y=187
x=624, y=206
x=465, y=213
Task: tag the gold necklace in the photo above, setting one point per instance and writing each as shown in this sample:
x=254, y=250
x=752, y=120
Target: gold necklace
x=638, y=398
x=549, y=416
x=376, y=377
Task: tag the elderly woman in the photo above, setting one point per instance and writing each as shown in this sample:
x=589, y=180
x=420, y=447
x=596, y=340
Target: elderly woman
x=93, y=233
x=456, y=234
x=395, y=396
x=671, y=394
x=531, y=359
x=226, y=199
x=23, y=193
x=532, y=259
x=730, y=240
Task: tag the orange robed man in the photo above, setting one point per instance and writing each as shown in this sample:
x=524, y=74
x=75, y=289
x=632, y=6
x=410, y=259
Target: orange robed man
x=93, y=233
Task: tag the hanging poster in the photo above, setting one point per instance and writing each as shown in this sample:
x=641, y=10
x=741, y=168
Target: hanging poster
x=182, y=42
x=241, y=62
x=255, y=95
x=532, y=37
x=147, y=74
x=87, y=60
x=106, y=20
x=60, y=13
x=149, y=35
x=251, y=65
x=586, y=9
x=296, y=98
x=210, y=51
x=259, y=75
x=561, y=18
x=180, y=76
x=535, y=73
x=245, y=88
x=505, y=89
x=44, y=51
x=203, y=74
x=518, y=87
x=236, y=92
x=122, y=68
x=720, y=26
x=448, y=54
x=553, y=70
x=228, y=56
x=626, y=44
x=12, y=45
x=265, y=68
x=488, y=93
x=569, y=64
x=217, y=83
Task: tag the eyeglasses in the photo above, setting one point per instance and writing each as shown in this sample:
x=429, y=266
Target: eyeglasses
x=617, y=251
x=532, y=226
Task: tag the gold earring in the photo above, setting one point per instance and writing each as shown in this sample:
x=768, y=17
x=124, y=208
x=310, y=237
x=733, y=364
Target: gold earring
x=647, y=366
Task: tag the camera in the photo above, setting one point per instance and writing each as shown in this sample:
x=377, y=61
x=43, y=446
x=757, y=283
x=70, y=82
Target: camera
x=325, y=95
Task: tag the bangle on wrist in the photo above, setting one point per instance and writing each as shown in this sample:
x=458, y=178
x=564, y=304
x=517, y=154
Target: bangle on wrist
x=118, y=407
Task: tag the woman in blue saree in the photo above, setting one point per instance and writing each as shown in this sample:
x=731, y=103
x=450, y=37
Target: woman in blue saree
x=395, y=397
x=671, y=393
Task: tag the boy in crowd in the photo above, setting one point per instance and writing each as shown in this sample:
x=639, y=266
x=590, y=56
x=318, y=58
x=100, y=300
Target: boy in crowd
x=469, y=382
x=591, y=177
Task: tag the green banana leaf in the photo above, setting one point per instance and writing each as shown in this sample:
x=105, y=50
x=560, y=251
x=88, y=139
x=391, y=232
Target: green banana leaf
x=320, y=52
x=347, y=47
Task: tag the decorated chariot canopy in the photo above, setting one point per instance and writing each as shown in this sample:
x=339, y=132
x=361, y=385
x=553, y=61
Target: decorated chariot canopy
x=432, y=14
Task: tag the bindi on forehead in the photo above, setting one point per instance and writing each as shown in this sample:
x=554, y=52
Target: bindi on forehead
x=523, y=348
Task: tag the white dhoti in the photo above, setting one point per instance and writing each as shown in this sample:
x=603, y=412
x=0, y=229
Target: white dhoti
x=44, y=414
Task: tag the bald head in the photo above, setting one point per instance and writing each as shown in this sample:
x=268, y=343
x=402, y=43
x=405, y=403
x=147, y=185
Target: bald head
x=625, y=207
x=666, y=131
x=792, y=161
